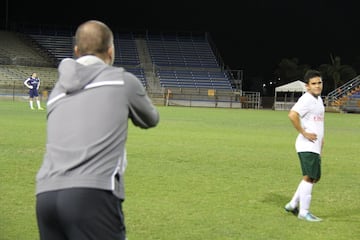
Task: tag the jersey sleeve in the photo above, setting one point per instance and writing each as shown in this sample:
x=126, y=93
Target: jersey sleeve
x=301, y=106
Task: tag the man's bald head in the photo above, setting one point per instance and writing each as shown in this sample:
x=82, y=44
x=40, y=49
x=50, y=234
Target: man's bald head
x=93, y=38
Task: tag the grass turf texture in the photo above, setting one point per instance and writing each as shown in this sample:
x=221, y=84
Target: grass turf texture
x=202, y=173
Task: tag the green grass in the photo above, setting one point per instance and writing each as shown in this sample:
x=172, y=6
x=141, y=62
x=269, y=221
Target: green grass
x=202, y=173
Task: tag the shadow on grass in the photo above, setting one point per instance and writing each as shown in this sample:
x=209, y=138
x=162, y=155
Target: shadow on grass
x=280, y=200
x=343, y=214
x=276, y=199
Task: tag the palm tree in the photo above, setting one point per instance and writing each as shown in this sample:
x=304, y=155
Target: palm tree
x=335, y=74
x=290, y=70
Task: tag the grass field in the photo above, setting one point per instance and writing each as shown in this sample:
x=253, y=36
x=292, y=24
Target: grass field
x=202, y=173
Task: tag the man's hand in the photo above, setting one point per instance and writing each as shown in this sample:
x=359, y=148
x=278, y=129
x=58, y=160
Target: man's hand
x=310, y=136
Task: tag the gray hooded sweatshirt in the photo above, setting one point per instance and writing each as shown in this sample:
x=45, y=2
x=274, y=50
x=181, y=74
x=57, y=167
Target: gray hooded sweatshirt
x=87, y=126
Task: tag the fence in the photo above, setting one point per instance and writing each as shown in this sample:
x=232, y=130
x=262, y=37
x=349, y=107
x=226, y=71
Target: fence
x=213, y=99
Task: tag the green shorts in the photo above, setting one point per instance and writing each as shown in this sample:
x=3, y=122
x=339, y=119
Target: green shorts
x=310, y=164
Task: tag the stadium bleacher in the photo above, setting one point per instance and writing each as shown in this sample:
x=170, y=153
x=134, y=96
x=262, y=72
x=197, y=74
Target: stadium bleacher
x=62, y=47
x=194, y=79
x=345, y=97
x=126, y=51
x=59, y=46
x=352, y=105
x=181, y=51
x=165, y=60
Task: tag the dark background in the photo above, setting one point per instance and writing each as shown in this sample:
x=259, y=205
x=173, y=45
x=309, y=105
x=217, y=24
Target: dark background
x=252, y=36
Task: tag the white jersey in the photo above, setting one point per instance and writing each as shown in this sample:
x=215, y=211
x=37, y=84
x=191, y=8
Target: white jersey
x=311, y=110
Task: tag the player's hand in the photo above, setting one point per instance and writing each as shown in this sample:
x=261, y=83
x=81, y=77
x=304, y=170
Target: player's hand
x=31, y=87
x=310, y=136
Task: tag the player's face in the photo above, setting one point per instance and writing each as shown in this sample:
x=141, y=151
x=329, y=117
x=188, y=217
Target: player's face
x=315, y=86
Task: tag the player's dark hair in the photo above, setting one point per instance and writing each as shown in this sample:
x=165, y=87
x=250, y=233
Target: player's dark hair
x=311, y=74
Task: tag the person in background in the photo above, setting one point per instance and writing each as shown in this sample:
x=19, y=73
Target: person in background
x=80, y=184
x=307, y=117
x=33, y=83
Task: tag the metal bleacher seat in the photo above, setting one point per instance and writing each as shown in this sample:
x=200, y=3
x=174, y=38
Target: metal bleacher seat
x=181, y=52
x=194, y=79
x=352, y=105
x=125, y=49
x=61, y=46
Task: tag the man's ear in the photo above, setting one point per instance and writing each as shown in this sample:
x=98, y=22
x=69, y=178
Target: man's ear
x=76, y=51
x=111, y=54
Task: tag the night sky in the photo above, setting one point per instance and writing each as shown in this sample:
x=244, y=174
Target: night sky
x=251, y=35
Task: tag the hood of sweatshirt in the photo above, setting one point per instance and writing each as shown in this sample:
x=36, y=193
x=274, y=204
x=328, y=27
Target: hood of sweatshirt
x=74, y=75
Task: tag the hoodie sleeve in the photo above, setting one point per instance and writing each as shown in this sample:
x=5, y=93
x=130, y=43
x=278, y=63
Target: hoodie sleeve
x=142, y=112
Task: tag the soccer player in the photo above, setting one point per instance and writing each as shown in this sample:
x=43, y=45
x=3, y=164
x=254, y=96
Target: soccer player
x=33, y=83
x=80, y=184
x=307, y=117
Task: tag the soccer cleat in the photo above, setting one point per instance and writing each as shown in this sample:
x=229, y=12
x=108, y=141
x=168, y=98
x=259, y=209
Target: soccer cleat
x=40, y=108
x=310, y=218
x=294, y=211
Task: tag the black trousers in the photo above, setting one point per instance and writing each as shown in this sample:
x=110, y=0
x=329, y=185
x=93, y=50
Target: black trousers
x=80, y=214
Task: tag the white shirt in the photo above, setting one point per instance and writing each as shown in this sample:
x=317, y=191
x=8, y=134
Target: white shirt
x=311, y=110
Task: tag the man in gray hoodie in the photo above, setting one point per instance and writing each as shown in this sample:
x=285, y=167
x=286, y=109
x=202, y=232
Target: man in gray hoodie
x=79, y=186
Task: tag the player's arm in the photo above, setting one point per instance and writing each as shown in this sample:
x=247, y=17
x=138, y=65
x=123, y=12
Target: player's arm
x=38, y=86
x=26, y=83
x=295, y=120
